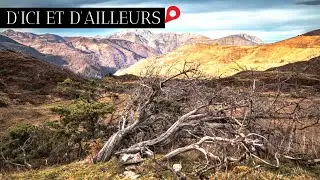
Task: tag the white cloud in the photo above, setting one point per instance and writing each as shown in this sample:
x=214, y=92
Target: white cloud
x=268, y=24
x=236, y=19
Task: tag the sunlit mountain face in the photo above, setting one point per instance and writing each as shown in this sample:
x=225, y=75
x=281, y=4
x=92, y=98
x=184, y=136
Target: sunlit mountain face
x=220, y=61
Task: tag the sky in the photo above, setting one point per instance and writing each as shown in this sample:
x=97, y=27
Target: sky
x=270, y=20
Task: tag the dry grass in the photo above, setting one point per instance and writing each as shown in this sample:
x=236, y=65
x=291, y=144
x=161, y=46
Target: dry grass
x=27, y=114
x=147, y=170
x=286, y=173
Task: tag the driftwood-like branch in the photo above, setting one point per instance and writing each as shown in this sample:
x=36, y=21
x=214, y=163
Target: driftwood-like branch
x=113, y=142
x=197, y=146
x=163, y=137
x=303, y=161
x=238, y=140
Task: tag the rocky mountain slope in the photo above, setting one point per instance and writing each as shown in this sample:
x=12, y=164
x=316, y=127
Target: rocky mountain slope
x=167, y=42
x=10, y=44
x=161, y=42
x=222, y=61
x=79, y=61
x=96, y=57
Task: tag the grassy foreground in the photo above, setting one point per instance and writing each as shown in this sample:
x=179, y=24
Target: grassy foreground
x=148, y=170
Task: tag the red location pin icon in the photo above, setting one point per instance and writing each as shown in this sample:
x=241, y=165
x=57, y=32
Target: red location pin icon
x=176, y=16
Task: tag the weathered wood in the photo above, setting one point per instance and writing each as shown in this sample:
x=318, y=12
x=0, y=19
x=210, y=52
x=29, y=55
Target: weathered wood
x=113, y=142
x=167, y=136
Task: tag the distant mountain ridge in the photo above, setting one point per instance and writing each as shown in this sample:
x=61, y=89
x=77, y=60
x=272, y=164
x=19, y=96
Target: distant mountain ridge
x=167, y=42
x=238, y=40
x=94, y=57
x=161, y=42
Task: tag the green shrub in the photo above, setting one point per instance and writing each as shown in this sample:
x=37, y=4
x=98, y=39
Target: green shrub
x=24, y=143
x=37, y=146
x=81, y=118
x=55, y=142
x=70, y=88
x=75, y=90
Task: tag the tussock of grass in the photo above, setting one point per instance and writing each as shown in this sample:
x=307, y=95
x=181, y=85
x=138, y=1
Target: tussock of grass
x=71, y=171
x=147, y=170
x=283, y=173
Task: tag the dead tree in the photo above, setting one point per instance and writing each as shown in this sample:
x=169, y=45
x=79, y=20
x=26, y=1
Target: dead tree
x=143, y=116
x=226, y=124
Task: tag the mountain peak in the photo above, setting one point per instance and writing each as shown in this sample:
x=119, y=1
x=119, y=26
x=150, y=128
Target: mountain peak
x=9, y=32
x=12, y=33
x=251, y=38
x=27, y=35
x=142, y=31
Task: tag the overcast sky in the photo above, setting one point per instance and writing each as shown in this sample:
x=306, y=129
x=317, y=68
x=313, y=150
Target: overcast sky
x=270, y=20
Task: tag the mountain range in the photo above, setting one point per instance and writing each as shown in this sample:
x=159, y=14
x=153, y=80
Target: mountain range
x=95, y=57
x=221, y=61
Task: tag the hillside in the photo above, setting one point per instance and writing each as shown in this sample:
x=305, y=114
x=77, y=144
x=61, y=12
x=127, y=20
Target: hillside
x=98, y=56
x=303, y=75
x=50, y=161
x=7, y=43
x=216, y=60
x=311, y=66
x=155, y=168
x=313, y=33
x=25, y=79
